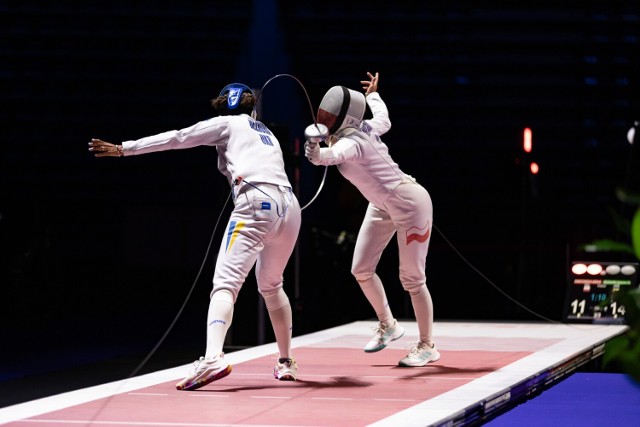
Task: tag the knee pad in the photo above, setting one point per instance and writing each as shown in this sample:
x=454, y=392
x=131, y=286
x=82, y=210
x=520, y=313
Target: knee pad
x=275, y=300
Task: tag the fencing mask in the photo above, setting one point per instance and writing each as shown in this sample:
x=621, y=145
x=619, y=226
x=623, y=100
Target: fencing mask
x=341, y=108
x=235, y=94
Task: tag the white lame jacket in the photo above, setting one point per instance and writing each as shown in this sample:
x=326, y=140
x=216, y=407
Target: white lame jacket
x=362, y=157
x=246, y=148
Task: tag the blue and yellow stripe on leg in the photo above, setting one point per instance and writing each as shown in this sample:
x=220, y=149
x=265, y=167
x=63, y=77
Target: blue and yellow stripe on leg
x=232, y=233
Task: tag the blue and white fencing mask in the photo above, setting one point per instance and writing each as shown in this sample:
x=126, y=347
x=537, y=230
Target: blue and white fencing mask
x=234, y=95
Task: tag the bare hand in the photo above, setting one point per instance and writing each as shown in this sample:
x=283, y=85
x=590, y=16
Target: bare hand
x=105, y=149
x=370, y=85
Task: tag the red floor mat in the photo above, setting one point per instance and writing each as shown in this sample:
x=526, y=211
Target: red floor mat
x=336, y=387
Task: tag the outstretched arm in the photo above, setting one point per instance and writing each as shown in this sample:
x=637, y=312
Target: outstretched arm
x=206, y=132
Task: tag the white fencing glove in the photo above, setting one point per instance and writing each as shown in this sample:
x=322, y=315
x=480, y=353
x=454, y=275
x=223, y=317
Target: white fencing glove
x=312, y=152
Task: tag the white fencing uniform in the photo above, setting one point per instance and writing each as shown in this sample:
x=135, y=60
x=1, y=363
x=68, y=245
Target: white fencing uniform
x=397, y=205
x=264, y=225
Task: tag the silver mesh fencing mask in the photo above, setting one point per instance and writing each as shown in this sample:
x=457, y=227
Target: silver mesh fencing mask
x=341, y=108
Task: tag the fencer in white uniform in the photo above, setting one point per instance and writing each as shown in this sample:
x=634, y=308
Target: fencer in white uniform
x=262, y=229
x=397, y=205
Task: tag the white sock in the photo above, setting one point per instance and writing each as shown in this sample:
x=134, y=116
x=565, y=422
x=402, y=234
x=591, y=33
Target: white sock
x=374, y=292
x=218, y=321
x=423, y=310
x=279, y=310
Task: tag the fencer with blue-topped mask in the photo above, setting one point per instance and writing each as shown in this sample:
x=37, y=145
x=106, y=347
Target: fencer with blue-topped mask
x=261, y=231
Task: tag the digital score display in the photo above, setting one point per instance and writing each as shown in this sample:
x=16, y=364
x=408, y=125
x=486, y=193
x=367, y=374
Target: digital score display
x=594, y=291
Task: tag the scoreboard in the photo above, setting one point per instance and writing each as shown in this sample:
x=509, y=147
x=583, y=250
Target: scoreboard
x=594, y=291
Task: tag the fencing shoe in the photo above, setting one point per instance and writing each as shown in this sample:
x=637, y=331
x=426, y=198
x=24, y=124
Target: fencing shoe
x=205, y=371
x=286, y=369
x=384, y=334
x=420, y=355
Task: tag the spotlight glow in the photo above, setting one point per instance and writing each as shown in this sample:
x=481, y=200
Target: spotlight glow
x=534, y=168
x=527, y=143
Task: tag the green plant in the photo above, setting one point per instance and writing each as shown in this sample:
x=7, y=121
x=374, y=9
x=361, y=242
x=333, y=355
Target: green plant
x=635, y=233
x=624, y=350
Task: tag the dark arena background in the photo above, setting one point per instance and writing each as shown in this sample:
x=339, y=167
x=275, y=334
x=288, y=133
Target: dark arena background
x=99, y=255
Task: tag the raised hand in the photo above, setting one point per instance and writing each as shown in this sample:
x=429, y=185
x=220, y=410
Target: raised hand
x=370, y=85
